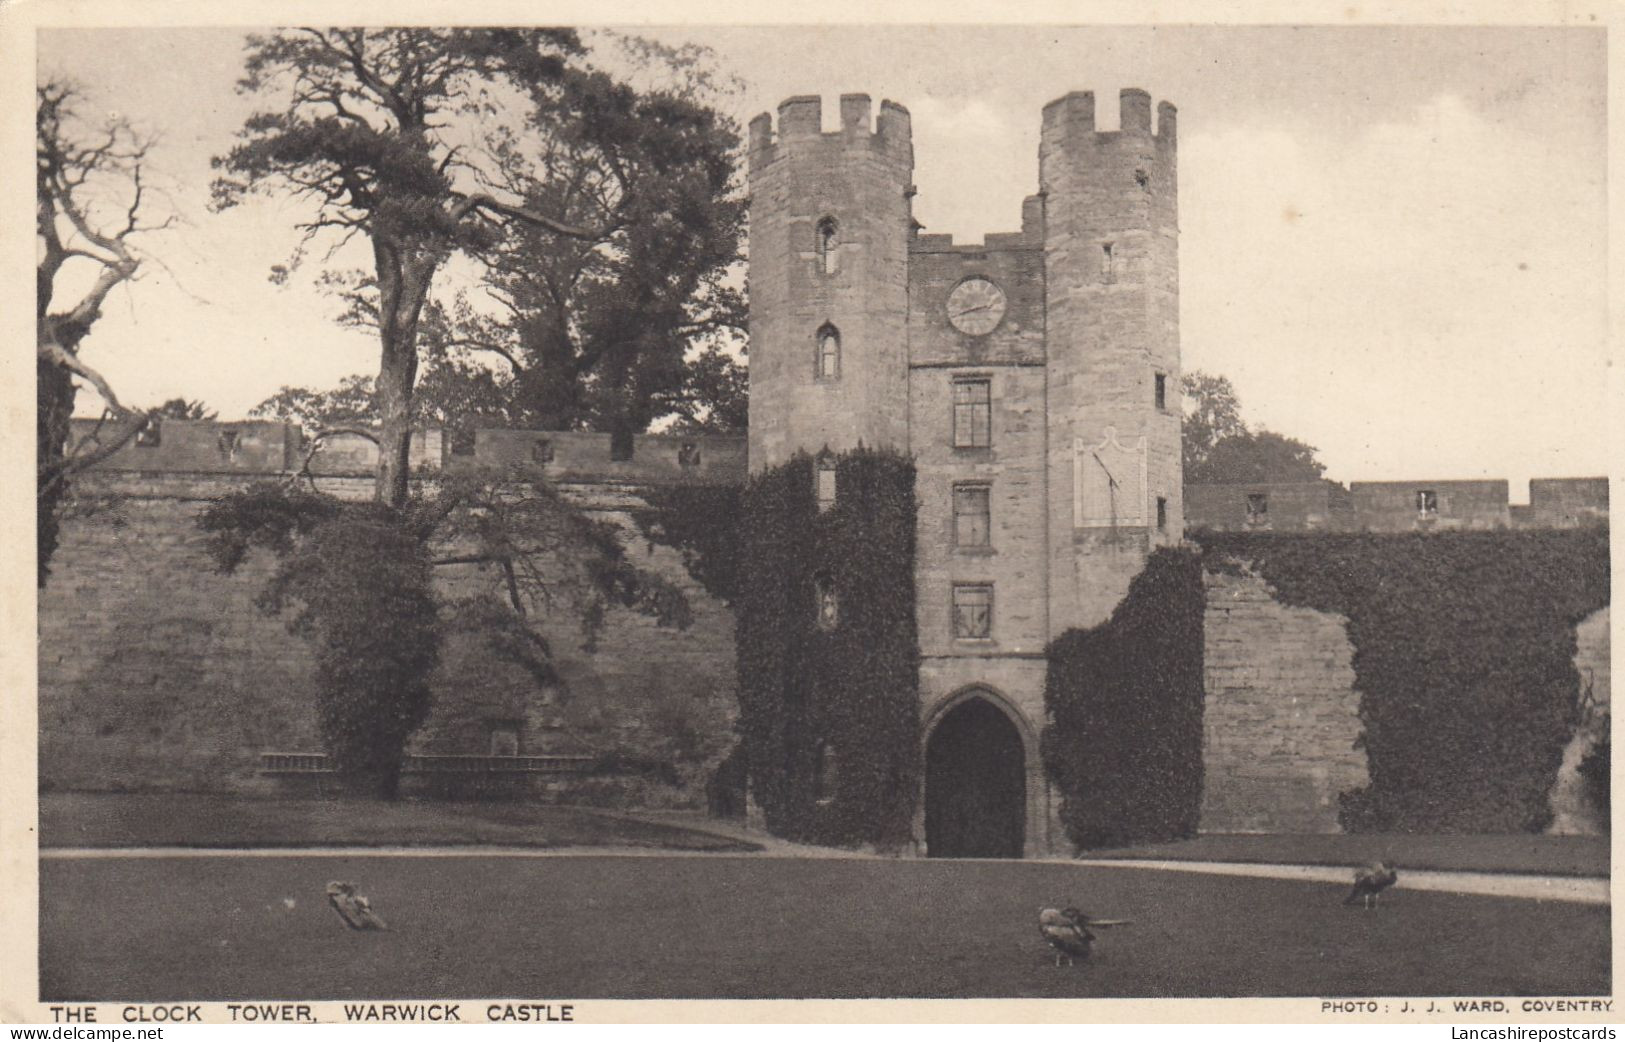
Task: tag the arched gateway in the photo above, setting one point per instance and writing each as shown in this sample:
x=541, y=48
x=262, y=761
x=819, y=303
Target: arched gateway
x=975, y=783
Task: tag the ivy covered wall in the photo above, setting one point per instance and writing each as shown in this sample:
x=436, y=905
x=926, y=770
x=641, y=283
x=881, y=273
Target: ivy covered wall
x=828, y=654
x=1463, y=658
x=1123, y=742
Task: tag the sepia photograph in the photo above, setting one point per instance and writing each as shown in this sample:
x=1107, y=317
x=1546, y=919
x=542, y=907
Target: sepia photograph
x=533, y=512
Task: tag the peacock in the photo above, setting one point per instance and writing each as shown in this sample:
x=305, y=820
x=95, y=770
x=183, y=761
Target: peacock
x=1067, y=931
x=353, y=908
x=1371, y=881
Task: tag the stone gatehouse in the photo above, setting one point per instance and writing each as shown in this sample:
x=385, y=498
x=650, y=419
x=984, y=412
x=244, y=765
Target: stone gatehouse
x=1034, y=378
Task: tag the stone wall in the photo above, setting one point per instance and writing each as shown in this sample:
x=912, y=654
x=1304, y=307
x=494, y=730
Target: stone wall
x=1281, y=715
x=156, y=673
x=1562, y=502
x=1297, y=506
x=257, y=448
x=1392, y=506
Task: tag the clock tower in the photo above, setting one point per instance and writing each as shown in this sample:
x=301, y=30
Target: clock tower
x=1033, y=377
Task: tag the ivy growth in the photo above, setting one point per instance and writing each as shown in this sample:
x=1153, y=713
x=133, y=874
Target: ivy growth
x=702, y=523
x=356, y=580
x=828, y=690
x=1596, y=774
x=1464, y=649
x=1123, y=741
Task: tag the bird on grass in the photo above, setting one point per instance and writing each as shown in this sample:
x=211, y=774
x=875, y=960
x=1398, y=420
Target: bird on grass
x=353, y=908
x=1371, y=881
x=1067, y=931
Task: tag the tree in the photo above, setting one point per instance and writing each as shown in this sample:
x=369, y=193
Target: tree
x=91, y=203
x=430, y=142
x=1220, y=449
x=616, y=332
x=355, y=579
x=401, y=137
x=351, y=404
x=716, y=398
x=1257, y=457
x=1212, y=412
x=181, y=409
x=599, y=334
x=369, y=135
x=642, y=324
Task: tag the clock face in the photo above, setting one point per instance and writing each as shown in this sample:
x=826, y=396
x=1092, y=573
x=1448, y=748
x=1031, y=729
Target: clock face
x=976, y=306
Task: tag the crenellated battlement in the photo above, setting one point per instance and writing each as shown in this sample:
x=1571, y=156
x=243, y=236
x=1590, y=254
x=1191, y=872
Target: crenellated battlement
x=258, y=448
x=801, y=120
x=1031, y=236
x=992, y=242
x=1071, y=117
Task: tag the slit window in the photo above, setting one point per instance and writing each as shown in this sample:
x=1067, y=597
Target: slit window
x=1162, y=514
x=1427, y=503
x=829, y=353
x=1161, y=393
x=972, y=515
x=1106, y=260
x=826, y=602
x=826, y=488
x=825, y=246
x=828, y=776
x=973, y=414
x=973, y=612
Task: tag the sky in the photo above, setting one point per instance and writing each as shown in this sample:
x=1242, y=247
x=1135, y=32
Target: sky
x=1393, y=241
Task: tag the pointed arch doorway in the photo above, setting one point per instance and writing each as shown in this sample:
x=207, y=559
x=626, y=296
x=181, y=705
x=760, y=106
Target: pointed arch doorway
x=975, y=783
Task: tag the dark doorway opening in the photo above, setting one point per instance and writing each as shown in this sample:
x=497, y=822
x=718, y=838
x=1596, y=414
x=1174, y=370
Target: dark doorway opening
x=975, y=784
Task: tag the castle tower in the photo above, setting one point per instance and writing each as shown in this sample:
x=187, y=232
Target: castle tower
x=1112, y=337
x=830, y=225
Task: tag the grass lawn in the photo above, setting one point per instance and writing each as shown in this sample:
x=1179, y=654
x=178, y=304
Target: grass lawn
x=1519, y=853
x=223, y=928
x=198, y=820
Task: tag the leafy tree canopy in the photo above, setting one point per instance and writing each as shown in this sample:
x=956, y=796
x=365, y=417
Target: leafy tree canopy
x=602, y=216
x=182, y=409
x=1220, y=449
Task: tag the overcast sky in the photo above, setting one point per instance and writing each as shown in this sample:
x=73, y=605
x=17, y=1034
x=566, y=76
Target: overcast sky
x=1393, y=241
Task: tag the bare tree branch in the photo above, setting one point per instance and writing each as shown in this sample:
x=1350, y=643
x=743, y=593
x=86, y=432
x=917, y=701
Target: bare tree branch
x=54, y=352
x=57, y=472
x=480, y=200
x=316, y=444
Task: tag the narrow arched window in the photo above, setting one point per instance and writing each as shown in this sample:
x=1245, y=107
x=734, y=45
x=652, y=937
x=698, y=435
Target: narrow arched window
x=826, y=603
x=829, y=352
x=826, y=481
x=827, y=774
x=825, y=246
